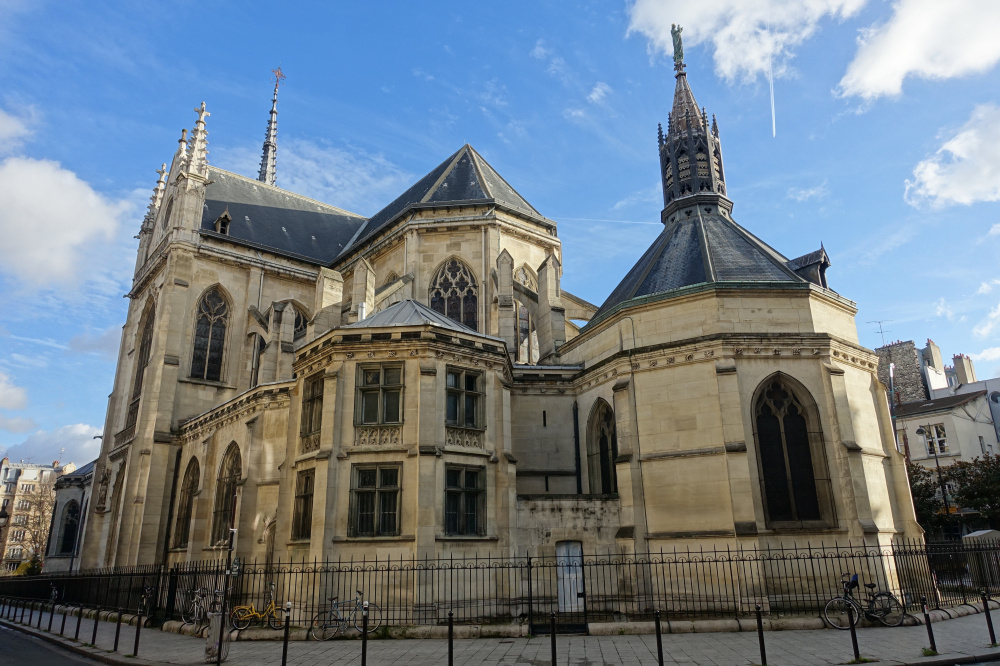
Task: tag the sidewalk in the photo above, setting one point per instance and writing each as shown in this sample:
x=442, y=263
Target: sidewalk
x=963, y=640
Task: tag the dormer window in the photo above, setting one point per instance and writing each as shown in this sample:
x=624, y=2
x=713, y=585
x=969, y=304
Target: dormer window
x=222, y=222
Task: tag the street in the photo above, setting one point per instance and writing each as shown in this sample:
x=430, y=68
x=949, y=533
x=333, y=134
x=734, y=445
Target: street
x=28, y=651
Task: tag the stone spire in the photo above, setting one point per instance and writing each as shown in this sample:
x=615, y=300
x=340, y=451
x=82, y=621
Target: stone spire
x=690, y=151
x=180, y=157
x=157, y=198
x=268, y=161
x=197, y=157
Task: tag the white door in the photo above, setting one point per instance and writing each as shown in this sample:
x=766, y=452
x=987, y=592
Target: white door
x=569, y=570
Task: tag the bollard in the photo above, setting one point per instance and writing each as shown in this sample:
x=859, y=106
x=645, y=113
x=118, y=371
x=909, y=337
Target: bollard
x=760, y=638
x=451, y=638
x=62, y=627
x=138, y=628
x=118, y=630
x=552, y=630
x=79, y=619
x=989, y=619
x=364, y=635
x=854, y=634
x=52, y=614
x=659, y=638
x=288, y=623
x=927, y=621
x=97, y=621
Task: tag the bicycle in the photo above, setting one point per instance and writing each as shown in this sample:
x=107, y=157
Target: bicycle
x=242, y=616
x=146, y=600
x=194, y=610
x=326, y=624
x=882, y=606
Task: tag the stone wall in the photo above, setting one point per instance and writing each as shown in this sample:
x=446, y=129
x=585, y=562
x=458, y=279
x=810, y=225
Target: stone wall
x=908, y=379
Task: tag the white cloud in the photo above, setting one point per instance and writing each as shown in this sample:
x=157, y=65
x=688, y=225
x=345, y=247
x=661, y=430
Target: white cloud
x=929, y=39
x=15, y=129
x=992, y=322
x=574, y=113
x=806, y=193
x=943, y=309
x=987, y=287
x=48, y=217
x=994, y=230
x=11, y=396
x=989, y=354
x=44, y=446
x=104, y=343
x=599, y=92
x=965, y=169
x=743, y=33
x=540, y=52
x=16, y=424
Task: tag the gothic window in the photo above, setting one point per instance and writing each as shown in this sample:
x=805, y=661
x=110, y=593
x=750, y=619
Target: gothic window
x=141, y=361
x=210, y=336
x=454, y=294
x=259, y=345
x=168, y=213
x=602, y=449
x=116, y=503
x=527, y=334
x=787, y=459
x=69, y=527
x=185, y=507
x=300, y=324
x=374, y=507
x=225, y=505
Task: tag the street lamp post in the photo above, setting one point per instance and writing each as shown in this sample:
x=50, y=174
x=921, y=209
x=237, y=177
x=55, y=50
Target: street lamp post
x=4, y=517
x=926, y=432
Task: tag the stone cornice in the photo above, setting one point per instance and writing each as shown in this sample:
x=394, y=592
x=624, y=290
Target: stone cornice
x=261, y=398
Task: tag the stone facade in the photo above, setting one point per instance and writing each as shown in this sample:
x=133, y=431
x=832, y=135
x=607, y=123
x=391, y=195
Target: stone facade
x=27, y=497
x=422, y=392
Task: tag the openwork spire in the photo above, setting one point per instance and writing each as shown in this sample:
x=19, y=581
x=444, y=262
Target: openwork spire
x=690, y=151
x=268, y=161
x=197, y=157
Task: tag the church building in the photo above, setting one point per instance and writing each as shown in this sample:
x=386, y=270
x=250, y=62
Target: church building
x=419, y=384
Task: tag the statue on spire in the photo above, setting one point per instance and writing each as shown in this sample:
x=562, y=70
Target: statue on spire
x=675, y=32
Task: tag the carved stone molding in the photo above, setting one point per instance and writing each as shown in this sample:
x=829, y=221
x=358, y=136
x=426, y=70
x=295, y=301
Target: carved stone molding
x=464, y=437
x=309, y=442
x=378, y=435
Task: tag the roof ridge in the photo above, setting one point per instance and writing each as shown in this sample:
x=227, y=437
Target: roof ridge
x=520, y=196
x=282, y=190
x=444, y=174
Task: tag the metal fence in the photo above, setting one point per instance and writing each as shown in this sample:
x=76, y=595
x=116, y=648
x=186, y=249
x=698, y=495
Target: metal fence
x=582, y=589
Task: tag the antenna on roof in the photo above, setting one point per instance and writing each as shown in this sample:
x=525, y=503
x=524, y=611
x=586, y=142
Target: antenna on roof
x=881, y=331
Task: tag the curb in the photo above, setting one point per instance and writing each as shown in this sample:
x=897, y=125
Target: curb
x=97, y=654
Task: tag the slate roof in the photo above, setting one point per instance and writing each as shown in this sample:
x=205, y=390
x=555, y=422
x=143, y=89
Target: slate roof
x=936, y=405
x=411, y=313
x=700, y=248
x=463, y=178
x=268, y=217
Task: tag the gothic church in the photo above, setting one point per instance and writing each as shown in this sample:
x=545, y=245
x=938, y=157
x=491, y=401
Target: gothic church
x=415, y=384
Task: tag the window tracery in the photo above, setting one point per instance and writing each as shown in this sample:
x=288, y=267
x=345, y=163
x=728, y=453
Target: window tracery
x=210, y=336
x=454, y=293
x=229, y=478
x=527, y=334
x=602, y=449
x=182, y=528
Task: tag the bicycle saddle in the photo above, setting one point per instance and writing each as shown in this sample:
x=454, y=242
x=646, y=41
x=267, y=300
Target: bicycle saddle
x=332, y=598
x=871, y=586
x=360, y=593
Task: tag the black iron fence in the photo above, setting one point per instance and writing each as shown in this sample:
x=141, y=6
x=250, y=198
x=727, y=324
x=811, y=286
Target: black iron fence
x=682, y=584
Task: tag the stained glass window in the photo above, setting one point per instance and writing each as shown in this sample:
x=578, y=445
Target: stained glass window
x=210, y=336
x=454, y=294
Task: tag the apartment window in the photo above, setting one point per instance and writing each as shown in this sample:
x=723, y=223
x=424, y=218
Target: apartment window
x=16, y=535
x=27, y=487
x=16, y=553
x=312, y=405
x=465, y=392
x=302, y=514
x=375, y=500
x=380, y=395
x=10, y=487
x=21, y=520
x=937, y=442
x=23, y=505
x=982, y=444
x=464, y=501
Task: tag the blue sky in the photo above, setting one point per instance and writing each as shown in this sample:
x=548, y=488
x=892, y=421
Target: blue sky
x=887, y=147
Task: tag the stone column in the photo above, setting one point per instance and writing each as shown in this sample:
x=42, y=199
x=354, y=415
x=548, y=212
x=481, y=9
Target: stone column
x=506, y=314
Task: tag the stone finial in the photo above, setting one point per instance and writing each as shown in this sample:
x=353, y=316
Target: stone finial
x=181, y=155
x=197, y=157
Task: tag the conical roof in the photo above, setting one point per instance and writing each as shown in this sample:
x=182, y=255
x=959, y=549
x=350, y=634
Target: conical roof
x=685, y=107
x=463, y=178
x=697, y=247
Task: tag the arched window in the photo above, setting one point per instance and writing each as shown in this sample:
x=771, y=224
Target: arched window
x=790, y=453
x=454, y=294
x=602, y=449
x=168, y=213
x=141, y=361
x=229, y=478
x=69, y=527
x=182, y=528
x=301, y=321
x=116, y=502
x=527, y=335
x=210, y=336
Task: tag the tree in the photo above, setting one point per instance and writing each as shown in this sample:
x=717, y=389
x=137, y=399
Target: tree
x=29, y=528
x=977, y=485
x=926, y=496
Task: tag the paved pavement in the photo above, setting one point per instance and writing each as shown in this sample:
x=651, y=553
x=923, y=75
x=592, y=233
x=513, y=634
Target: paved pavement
x=962, y=640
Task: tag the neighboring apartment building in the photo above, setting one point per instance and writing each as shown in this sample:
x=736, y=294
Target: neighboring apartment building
x=72, y=498
x=954, y=427
x=27, y=495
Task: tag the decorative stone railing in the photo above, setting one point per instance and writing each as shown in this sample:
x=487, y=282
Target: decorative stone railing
x=470, y=437
x=309, y=442
x=125, y=436
x=378, y=435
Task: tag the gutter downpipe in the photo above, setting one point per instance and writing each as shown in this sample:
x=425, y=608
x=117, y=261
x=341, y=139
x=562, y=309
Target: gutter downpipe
x=576, y=449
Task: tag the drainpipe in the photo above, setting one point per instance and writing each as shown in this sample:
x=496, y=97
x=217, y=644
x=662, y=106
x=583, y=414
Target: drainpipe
x=576, y=450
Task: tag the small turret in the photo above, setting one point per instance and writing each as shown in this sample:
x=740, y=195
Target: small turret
x=268, y=162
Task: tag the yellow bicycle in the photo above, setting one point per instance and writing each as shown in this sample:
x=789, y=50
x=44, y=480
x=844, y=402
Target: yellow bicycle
x=242, y=616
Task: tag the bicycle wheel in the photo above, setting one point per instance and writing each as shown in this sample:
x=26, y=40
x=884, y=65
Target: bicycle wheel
x=241, y=617
x=276, y=618
x=887, y=609
x=836, y=612
x=325, y=625
x=189, y=611
x=374, y=618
